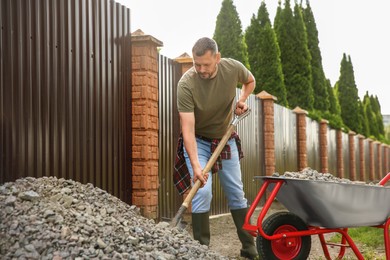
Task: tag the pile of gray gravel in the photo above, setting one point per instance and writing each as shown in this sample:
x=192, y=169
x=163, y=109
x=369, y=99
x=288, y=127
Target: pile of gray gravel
x=50, y=218
x=310, y=174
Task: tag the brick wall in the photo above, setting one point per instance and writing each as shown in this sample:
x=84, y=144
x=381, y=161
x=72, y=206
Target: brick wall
x=301, y=134
x=269, y=131
x=339, y=154
x=324, y=145
x=145, y=123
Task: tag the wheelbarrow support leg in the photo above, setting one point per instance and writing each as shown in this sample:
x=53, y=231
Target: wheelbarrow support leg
x=344, y=234
x=324, y=246
x=387, y=238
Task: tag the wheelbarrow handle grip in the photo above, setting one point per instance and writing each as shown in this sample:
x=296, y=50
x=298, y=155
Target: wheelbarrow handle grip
x=385, y=179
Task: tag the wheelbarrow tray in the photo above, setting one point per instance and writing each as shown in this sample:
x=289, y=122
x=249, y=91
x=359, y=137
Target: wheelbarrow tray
x=334, y=205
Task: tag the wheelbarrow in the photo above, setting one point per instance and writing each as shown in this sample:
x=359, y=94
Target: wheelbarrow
x=316, y=208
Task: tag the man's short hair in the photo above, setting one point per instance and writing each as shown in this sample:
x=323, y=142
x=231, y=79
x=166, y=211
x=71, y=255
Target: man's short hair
x=203, y=45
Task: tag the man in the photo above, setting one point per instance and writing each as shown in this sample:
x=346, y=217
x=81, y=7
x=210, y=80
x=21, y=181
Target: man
x=205, y=99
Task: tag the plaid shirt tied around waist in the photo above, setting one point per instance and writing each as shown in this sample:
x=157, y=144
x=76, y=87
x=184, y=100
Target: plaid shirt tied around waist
x=181, y=174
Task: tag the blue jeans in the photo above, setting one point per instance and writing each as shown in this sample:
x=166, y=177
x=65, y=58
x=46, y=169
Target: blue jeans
x=229, y=175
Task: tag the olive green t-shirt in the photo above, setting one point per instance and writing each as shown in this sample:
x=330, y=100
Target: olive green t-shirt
x=211, y=100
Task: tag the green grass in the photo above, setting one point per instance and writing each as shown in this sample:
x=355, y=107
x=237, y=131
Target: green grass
x=368, y=240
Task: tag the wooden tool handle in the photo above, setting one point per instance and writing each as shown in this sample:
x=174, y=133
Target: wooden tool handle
x=214, y=156
x=209, y=165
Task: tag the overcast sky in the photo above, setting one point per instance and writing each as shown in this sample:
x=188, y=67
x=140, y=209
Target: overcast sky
x=355, y=27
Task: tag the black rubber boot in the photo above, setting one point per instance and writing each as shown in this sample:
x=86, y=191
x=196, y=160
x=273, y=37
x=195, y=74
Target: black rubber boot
x=201, y=227
x=248, y=249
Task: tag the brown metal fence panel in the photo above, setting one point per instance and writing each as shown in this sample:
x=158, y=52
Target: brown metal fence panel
x=285, y=140
x=65, y=101
x=357, y=157
x=313, y=144
x=366, y=145
x=375, y=166
x=383, y=169
x=169, y=73
x=332, y=151
x=345, y=144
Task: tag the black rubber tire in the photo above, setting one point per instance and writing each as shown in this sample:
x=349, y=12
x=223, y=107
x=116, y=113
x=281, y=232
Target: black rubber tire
x=283, y=222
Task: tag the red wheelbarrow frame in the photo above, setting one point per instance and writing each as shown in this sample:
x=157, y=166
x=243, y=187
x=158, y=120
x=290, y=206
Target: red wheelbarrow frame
x=256, y=230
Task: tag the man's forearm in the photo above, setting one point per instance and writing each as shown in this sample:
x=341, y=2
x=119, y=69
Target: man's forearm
x=245, y=92
x=247, y=89
x=192, y=149
x=188, y=130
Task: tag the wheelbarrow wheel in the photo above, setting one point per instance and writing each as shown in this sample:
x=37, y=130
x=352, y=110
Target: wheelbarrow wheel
x=285, y=248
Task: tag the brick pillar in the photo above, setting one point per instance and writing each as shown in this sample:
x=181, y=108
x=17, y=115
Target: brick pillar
x=324, y=145
x=339, y=154
x=301, y=134
x=145, y=123
x=371, y=160
x=186, y=62
x=362, y=166
x=379, y=173
x=267, y=101
x=352, y=157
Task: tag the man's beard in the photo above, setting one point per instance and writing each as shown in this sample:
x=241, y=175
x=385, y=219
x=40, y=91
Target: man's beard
x=205, y=75
x=208, y=75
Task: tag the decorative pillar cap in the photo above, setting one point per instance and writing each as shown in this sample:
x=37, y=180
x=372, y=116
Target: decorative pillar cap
x=265, y=95
x=184, y=58
x=137, y=33
x=351, y=133
x=139, y=36
x=299, y=110
x=361, y=136
x=324, y=121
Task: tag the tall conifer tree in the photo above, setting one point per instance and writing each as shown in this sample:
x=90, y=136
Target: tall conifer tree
x=334, y=106
x=228, y=33
x=347, y=94
x=371, y=117
x=295, y=57
x=278, y=16
x=364, y=128
x=264, y=56
x=321, y=97
x=253, y=45
x=376, y=108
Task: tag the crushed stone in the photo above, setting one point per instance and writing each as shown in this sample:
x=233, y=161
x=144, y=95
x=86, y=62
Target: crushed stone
x=311, y=174
x=50, y=218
